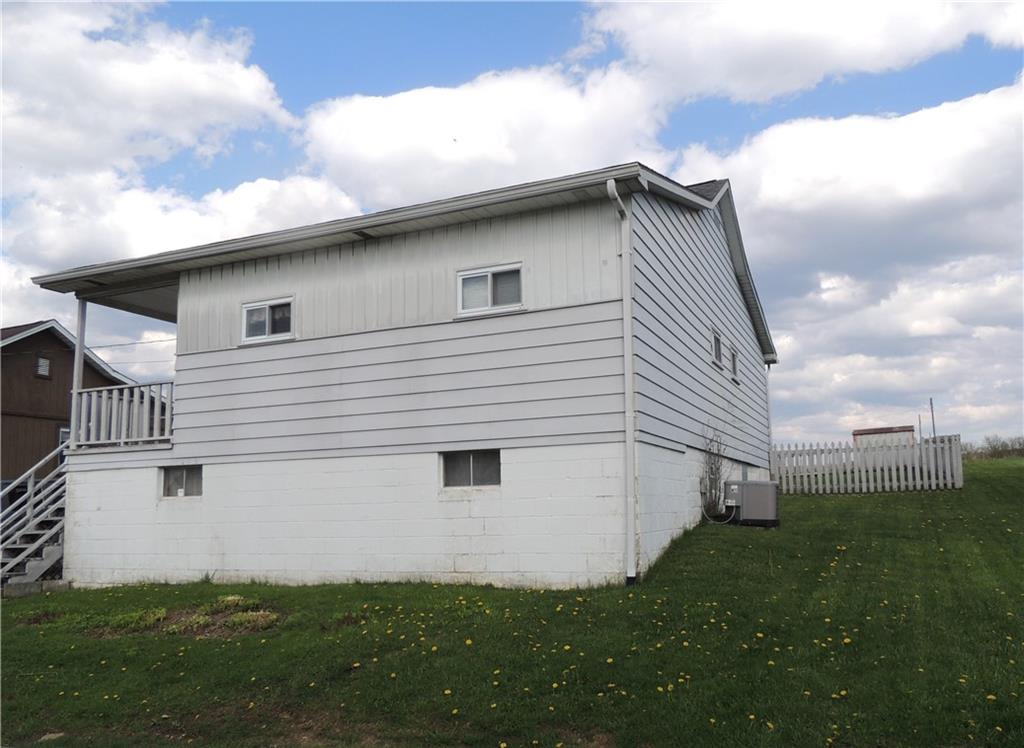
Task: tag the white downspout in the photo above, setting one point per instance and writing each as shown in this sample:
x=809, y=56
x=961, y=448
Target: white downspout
x=76, y=375
x=626, y=253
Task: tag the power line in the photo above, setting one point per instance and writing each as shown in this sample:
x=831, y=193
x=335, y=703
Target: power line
x=137, y=342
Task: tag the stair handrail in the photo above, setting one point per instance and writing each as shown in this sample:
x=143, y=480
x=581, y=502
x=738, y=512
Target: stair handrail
x=40, y=488
x=43, y=539
x=29, y=475
x=45, y=500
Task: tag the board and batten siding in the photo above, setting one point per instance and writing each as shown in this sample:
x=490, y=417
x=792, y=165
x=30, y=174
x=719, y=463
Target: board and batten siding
x=684, y=287
x=531, y=379
x=569, y=256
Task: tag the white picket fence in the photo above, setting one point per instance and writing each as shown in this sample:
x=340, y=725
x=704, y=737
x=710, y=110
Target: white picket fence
x=842, y=467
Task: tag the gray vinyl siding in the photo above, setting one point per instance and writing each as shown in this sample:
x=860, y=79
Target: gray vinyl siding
x=569, y=256
x=530, y=379
x=683, y=287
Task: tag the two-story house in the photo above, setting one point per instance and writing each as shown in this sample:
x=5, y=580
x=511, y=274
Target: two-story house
x=512, y=387
x=35, y=393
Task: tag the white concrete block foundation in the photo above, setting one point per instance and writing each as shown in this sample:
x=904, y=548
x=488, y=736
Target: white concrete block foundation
x=557, y=520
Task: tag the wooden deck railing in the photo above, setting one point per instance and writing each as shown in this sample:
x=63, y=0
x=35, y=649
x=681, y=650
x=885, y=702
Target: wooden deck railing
x=126, y=415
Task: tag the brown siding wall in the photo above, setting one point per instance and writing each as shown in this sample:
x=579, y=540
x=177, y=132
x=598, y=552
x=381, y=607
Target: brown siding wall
x=32, y=408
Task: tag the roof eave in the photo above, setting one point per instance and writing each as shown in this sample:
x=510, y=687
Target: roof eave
x=741, y=267
x=62, y=332
x=631, y=176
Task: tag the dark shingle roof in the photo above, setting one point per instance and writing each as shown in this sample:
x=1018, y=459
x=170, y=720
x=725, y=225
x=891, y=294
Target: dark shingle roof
x=13, y=330
x=708, y=189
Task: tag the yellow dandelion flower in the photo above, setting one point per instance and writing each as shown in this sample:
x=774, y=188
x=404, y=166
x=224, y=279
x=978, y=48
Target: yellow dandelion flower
x=751, y=716
x=356, y=664
x=455, y=710
x=769, y=725
x=759, y=635
x=494, y=706
x=469, y=642
x=847, y=640
x=447, y=692
x=433, y=648
x=991, y=697
x=610, y=660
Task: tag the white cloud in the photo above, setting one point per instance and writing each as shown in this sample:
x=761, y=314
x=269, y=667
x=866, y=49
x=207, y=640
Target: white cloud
x=498, y=129
x=75, y=221
x=758, y=51
x=83, y=220
x=91, y=87
x=889, y=253
x=865, y=187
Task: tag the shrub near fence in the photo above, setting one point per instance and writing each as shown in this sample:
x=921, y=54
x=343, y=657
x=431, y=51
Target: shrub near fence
x=843, y=467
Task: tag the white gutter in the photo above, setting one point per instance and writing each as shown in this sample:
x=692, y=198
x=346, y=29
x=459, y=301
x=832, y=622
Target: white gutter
x=629, y=407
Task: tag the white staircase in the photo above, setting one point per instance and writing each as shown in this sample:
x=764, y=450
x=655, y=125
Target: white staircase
x=32, y=527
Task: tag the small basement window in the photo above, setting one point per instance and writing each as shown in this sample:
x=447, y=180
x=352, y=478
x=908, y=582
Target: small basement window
x=481, y=468
x=493, y=289
x=43, y=367
x=183, y=480
x=267, y=320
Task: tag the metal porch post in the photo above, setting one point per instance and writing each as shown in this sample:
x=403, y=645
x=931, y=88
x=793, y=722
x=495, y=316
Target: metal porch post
x=76, y=377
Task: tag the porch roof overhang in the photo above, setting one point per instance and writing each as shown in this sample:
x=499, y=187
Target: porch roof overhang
x=149, y=285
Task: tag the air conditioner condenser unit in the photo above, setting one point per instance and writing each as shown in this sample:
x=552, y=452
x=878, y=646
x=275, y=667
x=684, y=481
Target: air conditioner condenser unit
x=755, y=502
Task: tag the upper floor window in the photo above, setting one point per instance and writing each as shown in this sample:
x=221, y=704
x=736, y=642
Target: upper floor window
x=734, y=363
x=492, y=289
x=716, y=347
x=43, y=367
x=267, y=320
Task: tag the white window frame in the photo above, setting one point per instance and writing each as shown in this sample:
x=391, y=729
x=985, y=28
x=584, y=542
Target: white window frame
x=488, y=271
x=268, y=338
x=717, y=352
x=734, y=365
x=182, y=494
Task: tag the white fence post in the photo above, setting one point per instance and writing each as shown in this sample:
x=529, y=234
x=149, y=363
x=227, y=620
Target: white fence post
x=843, y=467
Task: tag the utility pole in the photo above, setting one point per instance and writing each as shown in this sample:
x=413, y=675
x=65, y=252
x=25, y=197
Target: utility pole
x=931, y=406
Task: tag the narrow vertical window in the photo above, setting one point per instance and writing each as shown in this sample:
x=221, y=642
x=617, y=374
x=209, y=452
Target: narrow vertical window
x=43, y=367
x=716, y=347
x=734, y=363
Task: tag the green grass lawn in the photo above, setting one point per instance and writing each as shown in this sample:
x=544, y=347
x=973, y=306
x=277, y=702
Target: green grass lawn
x=865, y=620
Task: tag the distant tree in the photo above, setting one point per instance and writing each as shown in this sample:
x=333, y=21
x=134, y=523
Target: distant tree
x=994, y=447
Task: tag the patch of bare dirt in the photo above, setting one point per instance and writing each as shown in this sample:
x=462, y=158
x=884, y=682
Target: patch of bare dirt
x=41, y=617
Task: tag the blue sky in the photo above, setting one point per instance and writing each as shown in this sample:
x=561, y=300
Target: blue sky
x=314, y=51
x=875, y=155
